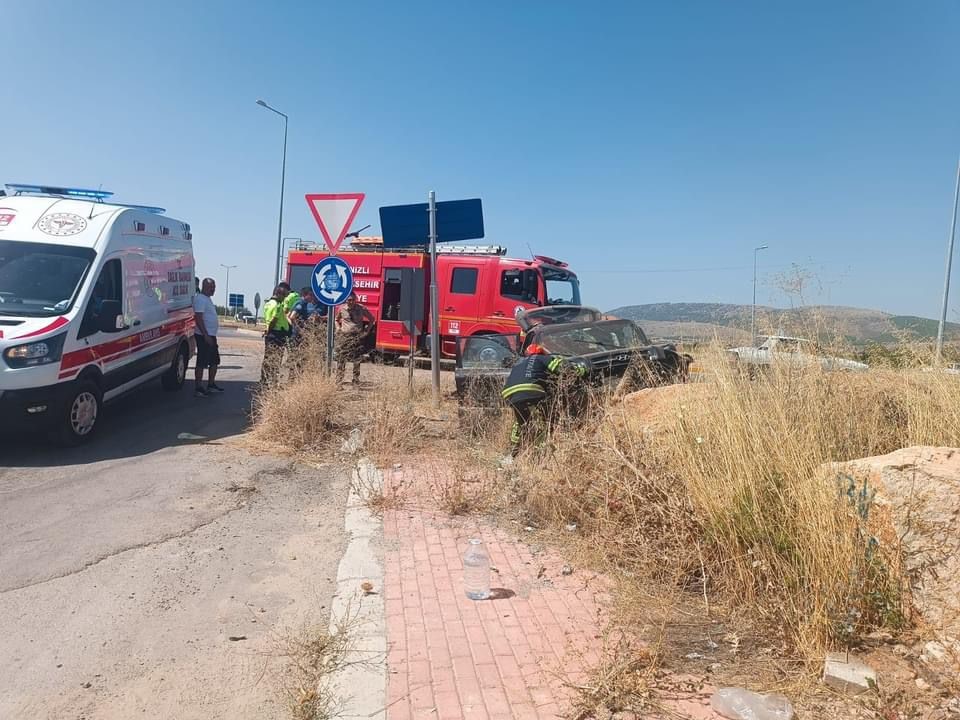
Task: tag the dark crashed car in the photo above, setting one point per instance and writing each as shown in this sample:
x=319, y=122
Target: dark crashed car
x=617, y=355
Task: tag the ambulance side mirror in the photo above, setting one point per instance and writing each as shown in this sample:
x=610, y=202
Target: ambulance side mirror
x=110, y=319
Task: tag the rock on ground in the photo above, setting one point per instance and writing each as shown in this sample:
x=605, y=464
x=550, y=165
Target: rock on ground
x=922, y=486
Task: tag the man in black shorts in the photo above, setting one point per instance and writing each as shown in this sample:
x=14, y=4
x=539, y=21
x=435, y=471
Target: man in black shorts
x=205, y=334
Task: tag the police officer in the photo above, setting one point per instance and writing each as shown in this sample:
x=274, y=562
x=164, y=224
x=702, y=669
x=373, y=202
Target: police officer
x=290, y=299
x=275, y=337
x=306, y=318
x=531, y=389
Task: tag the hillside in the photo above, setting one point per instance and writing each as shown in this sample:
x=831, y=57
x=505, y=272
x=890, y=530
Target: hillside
x=731, y=323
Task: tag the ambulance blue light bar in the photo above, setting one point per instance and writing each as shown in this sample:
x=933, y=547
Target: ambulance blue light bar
x=20, y=188
x=145, y=208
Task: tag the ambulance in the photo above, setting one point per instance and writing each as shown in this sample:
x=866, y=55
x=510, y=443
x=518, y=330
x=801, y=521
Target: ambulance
x=95, y=301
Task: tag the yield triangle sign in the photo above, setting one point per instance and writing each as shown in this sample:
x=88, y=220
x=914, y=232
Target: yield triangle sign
x=334, y=214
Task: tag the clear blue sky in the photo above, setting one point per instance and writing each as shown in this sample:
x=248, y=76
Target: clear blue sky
x=632, y=139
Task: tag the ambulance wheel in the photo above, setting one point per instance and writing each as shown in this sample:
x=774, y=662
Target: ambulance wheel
x=81, y=413
x=174, y=378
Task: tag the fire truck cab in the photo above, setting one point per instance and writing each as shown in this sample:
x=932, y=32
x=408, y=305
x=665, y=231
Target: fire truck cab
x=480, y=291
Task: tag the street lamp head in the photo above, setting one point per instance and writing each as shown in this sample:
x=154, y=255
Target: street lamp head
x=261, y=103
x=762, y=247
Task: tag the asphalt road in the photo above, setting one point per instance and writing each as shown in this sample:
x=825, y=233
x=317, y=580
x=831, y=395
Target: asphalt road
x=127, y=565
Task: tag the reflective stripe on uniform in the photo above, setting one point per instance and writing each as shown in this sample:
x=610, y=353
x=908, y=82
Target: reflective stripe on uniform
x=523, y=387
x=555, y=364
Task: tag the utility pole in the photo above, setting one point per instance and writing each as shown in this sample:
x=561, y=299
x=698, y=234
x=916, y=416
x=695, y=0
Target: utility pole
x=226, y=305
x=283, y=178
x=753, y=307
x=946, y=279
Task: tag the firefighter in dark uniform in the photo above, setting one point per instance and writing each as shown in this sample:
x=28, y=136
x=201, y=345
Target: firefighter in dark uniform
x=531, y=390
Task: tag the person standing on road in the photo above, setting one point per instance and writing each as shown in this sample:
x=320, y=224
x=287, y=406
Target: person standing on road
x=531, y=389
x=275, y=337
x=351, y=319
x=205, y=335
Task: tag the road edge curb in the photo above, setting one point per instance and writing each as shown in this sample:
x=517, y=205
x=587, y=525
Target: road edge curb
x=361, y=684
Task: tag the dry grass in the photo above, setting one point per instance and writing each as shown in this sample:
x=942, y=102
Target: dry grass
x=733, y=493
x=393, y=420
x=389, y=492
x=728, y=497
x=299, y=414
x=310, y=655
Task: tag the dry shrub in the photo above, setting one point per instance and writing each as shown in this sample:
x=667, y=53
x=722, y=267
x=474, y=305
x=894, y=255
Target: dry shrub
x=388, y=491
x=310, y=655
x=393, y=420
x=462, y=483
x=733, y=491
x=300, y=414
x=624, y=681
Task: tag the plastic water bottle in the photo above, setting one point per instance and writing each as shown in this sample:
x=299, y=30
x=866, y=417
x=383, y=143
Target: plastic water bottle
x=740, y=704
x=476, y=570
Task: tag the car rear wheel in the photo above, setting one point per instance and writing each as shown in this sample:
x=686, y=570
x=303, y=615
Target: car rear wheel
x=174, y=378
x=81, y=413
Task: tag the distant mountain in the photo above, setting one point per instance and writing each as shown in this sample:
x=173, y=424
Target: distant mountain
x=731, y=323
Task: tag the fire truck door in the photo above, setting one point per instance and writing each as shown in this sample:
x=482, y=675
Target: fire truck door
x=519, y=290
x=459, y=299
x=401, y=307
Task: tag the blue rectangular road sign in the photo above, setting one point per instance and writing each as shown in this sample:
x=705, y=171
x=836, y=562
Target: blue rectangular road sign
x=409, y=225
x=236, y=300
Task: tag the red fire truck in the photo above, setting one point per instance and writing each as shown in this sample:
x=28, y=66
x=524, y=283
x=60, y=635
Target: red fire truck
x=480, y=291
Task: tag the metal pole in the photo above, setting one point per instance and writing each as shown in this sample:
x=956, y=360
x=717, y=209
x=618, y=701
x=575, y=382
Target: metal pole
x=413, y=349
x=283, y=178
x=946, y=279
x=331, y=319
x=753, y=307
x=434, y=302
x=226, y=305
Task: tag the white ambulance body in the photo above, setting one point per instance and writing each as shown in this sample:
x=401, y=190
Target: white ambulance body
x=95, y=300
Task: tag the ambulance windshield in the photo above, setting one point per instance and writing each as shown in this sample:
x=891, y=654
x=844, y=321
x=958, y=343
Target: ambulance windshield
x=39, y=279
x=562, y=287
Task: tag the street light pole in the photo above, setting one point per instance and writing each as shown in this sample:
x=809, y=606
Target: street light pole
x=226, y=305
x=946, y=279
x=283, y=178
x=753, y=307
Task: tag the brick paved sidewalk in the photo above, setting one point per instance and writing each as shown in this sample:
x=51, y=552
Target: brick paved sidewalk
x=508, y=657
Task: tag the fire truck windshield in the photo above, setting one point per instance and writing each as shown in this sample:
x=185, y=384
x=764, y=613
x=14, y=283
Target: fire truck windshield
x=562, y=287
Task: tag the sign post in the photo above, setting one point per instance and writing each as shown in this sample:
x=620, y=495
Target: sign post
x=332, y=283
x=332, y=279
x=409, y=226
x=411, y=310
x=434, y=303
x=256, y=308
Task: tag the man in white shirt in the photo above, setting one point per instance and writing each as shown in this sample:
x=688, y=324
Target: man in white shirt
x=205, y=333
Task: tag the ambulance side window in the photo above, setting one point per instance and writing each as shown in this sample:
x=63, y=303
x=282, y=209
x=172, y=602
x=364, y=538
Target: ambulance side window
x=391, y=295
x=109, y=286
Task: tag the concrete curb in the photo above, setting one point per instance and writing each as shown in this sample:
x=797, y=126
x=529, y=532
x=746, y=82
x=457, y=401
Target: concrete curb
x=361, y=685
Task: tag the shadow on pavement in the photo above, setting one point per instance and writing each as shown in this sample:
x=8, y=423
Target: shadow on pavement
x=144, y=421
